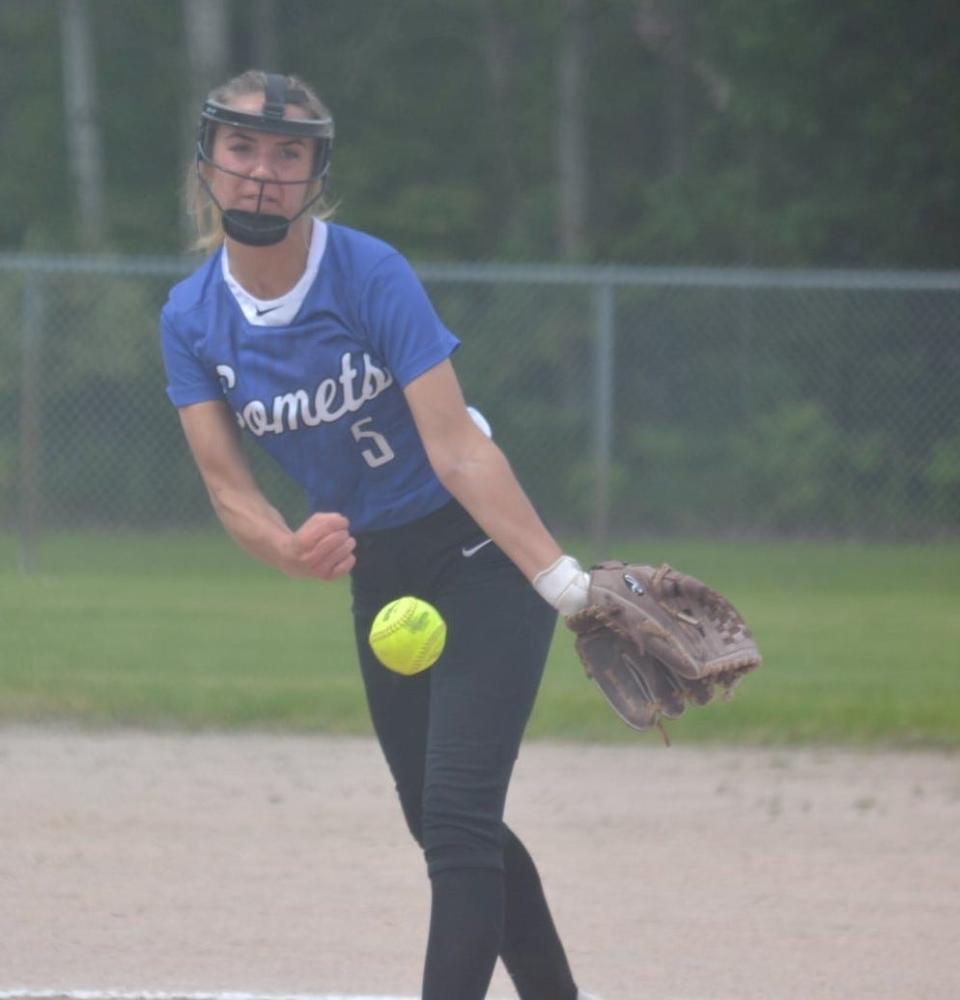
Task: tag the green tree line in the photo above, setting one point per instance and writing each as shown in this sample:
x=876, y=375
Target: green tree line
x=762, y=132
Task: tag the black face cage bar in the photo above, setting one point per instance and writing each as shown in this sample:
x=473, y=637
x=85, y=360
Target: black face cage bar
x=276, y=97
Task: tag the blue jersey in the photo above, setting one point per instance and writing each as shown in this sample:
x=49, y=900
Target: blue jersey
x=317, y=376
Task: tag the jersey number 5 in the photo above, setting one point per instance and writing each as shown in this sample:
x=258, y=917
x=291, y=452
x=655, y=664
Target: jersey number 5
x=383, y=452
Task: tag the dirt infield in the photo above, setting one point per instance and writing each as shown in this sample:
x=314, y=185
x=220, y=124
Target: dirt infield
x=135, y=861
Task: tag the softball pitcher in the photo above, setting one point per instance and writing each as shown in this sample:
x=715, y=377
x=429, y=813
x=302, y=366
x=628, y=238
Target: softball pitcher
x=321, y=343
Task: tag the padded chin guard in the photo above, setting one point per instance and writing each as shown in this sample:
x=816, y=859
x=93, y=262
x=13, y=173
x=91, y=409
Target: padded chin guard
x=254, y=228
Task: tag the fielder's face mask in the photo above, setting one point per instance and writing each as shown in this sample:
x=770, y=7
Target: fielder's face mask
x=256, y=228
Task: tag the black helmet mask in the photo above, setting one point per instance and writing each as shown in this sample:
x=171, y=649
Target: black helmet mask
x=256, y=228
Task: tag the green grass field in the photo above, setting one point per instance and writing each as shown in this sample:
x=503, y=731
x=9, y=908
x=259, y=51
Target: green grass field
x=861, y=643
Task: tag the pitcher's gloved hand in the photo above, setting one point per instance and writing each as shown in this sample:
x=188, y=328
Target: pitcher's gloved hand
x=655, y=639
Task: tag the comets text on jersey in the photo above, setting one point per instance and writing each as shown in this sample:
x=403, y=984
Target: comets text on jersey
x=333, y=398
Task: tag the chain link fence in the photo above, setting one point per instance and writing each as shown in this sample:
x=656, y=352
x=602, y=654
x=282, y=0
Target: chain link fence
x=629, y=400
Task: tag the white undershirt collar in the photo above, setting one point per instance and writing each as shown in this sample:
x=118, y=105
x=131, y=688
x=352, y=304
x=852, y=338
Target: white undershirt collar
x=278, y=312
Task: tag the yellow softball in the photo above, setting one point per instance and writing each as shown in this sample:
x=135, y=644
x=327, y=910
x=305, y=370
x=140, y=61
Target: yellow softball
x=408, y=635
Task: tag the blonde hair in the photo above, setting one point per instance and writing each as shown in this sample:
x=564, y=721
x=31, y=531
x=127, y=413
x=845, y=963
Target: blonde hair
x=200, y=208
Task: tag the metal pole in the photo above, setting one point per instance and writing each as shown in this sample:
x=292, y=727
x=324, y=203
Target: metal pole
x=30, y=421
x=603, y=408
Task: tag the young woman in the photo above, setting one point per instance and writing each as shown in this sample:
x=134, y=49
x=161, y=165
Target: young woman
x=320, y=342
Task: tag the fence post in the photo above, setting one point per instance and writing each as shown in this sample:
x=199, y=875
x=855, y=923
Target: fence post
x=30, y=332
x=603, y=407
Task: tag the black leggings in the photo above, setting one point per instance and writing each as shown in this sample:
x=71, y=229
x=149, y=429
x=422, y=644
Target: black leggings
x=450, y=736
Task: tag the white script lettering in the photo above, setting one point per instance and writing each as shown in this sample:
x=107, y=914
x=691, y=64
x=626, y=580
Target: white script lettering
x=332, y=399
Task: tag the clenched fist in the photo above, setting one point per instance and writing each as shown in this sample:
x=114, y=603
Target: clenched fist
x=322, y=547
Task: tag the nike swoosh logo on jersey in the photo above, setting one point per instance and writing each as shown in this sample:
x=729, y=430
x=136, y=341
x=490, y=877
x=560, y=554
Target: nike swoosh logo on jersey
x=474, y=549
x=263, y=312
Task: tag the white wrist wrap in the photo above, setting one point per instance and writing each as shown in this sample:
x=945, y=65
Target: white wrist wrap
x=564, y=585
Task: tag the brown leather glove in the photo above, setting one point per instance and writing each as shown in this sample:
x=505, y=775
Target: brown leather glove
x=654, y=640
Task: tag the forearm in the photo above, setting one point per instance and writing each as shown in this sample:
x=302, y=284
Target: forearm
x=255, y=525
x=477, y=473
x=321, y=547
x=485, y=485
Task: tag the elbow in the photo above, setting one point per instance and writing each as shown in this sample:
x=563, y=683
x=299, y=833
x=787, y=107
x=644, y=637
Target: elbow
x=450, y=465
x=217, y=500
x=457, y=467
x=448, y=471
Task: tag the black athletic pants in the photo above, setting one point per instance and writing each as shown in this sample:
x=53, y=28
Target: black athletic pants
x=451, y=735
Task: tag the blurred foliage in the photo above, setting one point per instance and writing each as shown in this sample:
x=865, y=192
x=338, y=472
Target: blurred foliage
x=776, y=411
x=772, y=132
